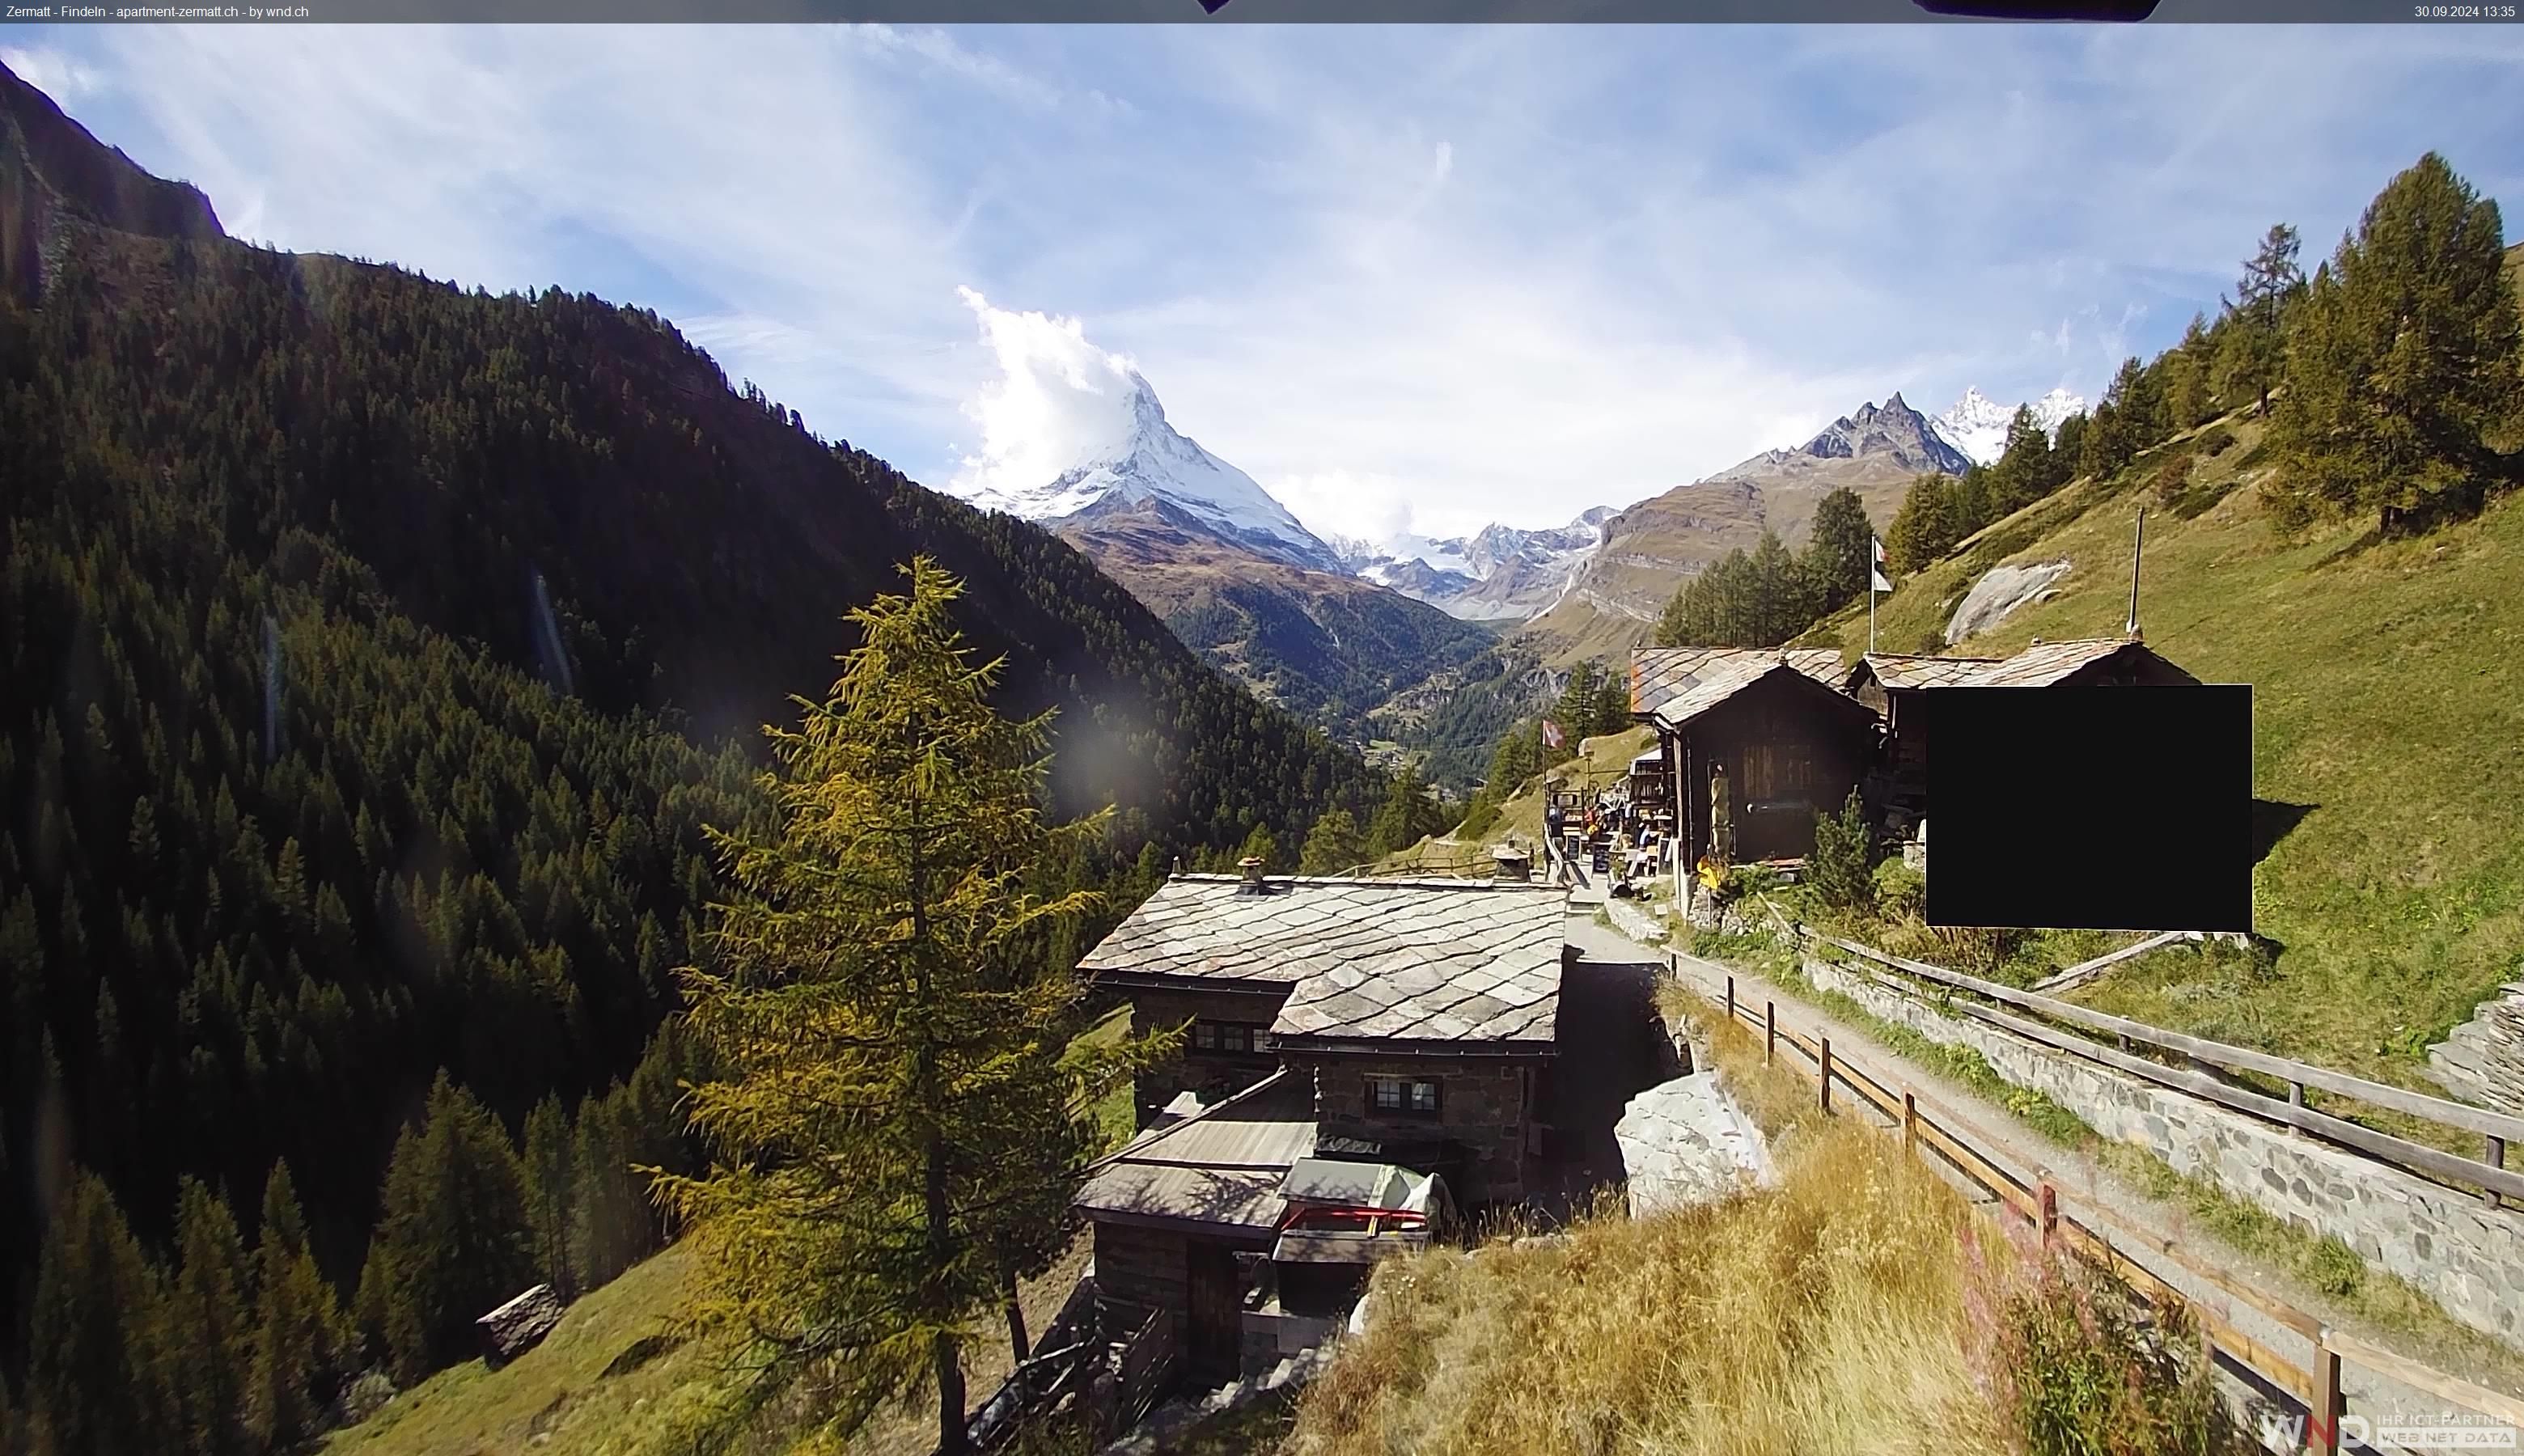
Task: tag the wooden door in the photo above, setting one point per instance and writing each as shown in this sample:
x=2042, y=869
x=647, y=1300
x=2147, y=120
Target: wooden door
x=1776, y=817
x=1213, y=1343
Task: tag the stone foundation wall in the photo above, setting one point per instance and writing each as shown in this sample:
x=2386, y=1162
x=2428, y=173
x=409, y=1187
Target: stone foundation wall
x=2482, y=1061
x=1484, y=1104
x=2465, y=1255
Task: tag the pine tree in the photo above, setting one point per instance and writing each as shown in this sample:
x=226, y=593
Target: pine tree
x=1919, y=534
x=452, y=1241
x=94, y=1384
x=1333, y=844
x=298, y=1348
x=2186, y=378
x=2406, y=356
x=551, y=1205
x=2251, y=354
x=207, y=1312
x=896, y=1123
x=1261, y=845
x=1840, y=868
x=1574, y=711
x=1611, y=712
x=2068, y=448
x=1837, y=552
x=1406, y=817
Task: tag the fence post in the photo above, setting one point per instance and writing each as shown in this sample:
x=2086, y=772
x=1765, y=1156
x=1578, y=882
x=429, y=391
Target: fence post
x=2046, y=1200
x=1769, y=1030
x=2296, y=1093
x=1730, y=1001
x=2326, y=1396
x=2496, y=1159
x=1825, y=1070
x=1910, y=1122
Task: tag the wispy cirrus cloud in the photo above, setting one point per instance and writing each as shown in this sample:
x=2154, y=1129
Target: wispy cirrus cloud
x=1410, y=278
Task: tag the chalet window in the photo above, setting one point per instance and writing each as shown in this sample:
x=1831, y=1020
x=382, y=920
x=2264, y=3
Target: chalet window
x=1405, y=1095
x=1223, y=1036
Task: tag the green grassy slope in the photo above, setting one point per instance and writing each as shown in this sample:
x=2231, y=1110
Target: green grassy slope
x=2385, y=701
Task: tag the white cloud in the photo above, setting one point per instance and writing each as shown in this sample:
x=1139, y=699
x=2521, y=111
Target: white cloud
x=52, y=72
x=1411, y=278
x=1050, y=399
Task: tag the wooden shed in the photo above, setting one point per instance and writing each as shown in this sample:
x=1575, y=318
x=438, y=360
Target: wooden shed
x=1789, y=743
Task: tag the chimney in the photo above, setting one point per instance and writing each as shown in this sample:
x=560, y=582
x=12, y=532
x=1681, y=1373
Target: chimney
x=1252, y=864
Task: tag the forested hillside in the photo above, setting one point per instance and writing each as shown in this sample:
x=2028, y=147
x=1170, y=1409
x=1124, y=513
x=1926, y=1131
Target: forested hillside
x=376, y=653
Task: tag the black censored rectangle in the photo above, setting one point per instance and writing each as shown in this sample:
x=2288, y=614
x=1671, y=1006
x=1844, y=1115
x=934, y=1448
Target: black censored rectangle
x=2104, y=808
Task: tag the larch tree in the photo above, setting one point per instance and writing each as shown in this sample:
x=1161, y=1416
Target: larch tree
x=2252, y=351
x=211, y=1343
x=298, y=1337
x=897, y=1113
x=1333, y=844
x=1836, y=557
x=2402, y=361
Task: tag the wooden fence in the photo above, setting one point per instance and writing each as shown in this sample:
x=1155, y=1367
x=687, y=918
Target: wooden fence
x=2488, y=1176
x=2119, y=1248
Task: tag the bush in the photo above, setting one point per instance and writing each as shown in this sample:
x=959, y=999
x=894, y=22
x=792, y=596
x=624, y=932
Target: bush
x=2217, y=441
x=1901, y=892
x=2078, y=1366
x=2173, y=478
x=1743, y=881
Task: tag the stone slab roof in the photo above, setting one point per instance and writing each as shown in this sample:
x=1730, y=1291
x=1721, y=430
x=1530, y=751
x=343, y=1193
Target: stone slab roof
x=1662, y=675
x=1213, y=928
x=1223, y=1169
x=1490, y=974
x=1918, y=670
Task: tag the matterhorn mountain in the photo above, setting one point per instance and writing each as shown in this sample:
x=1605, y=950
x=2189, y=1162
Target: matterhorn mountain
x=1236, y=576
x=1148, y=459
x=1978, y=424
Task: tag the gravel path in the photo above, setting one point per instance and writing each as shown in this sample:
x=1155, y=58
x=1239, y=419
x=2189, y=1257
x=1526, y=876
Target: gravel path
x=2006, y=1141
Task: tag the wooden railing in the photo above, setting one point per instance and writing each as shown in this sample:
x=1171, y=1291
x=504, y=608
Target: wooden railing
x=2488, y=1176
x=2119, y=1248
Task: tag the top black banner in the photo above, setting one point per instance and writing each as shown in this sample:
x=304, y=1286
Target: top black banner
x=1233, y=12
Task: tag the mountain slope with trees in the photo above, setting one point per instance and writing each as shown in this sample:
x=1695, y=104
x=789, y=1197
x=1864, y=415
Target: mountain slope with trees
x=377, y=653
x=2351, y=556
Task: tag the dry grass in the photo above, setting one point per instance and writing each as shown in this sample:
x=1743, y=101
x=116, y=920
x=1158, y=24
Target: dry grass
x=1824, y=1316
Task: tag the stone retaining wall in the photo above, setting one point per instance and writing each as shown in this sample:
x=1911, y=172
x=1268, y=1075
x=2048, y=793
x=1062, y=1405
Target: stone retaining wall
x=2465, y=1255
x=2482, y=1060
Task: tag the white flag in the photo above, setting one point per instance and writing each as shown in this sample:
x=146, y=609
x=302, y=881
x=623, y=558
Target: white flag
x=1878, y=544
x=1876, y=581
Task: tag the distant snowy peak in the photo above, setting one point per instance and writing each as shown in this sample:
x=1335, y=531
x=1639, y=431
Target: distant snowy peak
x=1149, y=459
x=1978, y=424
x=1497, y=573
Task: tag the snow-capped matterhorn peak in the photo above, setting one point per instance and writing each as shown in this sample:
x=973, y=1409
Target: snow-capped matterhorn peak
x=1978, y=424
x=1142, y=457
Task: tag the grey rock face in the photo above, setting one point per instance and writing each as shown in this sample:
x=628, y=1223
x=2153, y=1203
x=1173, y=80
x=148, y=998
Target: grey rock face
x=1997, y=594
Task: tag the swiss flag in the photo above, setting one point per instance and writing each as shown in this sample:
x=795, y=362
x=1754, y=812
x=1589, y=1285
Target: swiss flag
x=1552, y=737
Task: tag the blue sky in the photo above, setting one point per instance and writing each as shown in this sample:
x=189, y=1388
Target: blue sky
x=1405, y=277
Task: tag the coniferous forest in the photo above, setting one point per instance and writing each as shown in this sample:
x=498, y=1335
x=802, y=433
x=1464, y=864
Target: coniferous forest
x=376, y=653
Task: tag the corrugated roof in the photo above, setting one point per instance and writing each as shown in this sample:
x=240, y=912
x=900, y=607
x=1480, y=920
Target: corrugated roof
x=1210, y=927
x=1661, y=674
x=1488, y=973
x=1224, y=1168
x=1919, y=669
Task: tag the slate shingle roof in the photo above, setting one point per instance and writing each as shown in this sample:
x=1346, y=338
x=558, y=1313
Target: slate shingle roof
x=2045, y=663
x=1660, y=675
x=1224, y=1168
x=1919, y=670
x=1209, y=927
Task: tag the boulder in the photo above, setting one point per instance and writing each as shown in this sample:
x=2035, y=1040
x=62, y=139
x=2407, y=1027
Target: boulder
x=519, y=1325
x=1997, y=594
x=1686, y=1142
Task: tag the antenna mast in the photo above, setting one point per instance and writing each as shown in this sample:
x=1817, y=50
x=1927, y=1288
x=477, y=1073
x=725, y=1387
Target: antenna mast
x=2138, y=545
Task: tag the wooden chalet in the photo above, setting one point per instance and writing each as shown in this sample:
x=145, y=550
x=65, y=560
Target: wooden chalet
x=1420, y=1012
x=1891, y=682
x=1396, y=1035
x=1789, y=742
